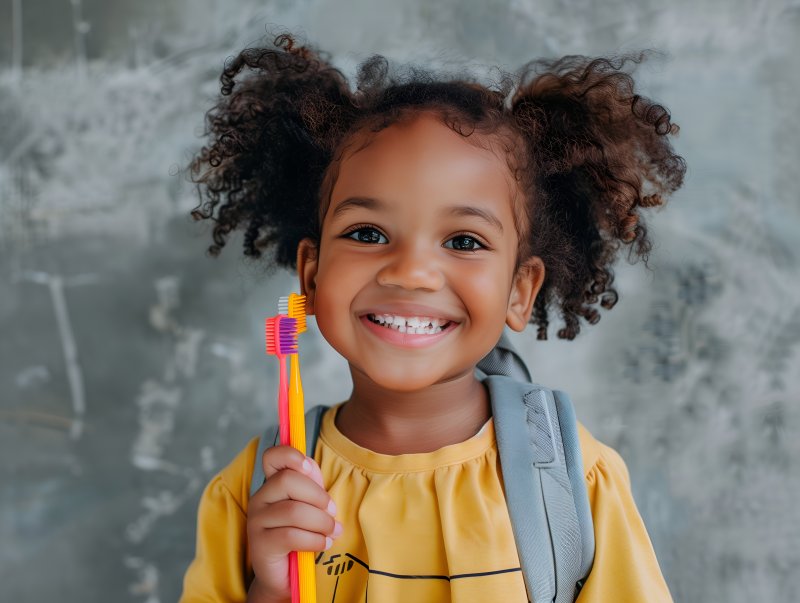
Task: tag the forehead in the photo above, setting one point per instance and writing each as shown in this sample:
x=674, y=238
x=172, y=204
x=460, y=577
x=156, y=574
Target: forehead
x=425, y=159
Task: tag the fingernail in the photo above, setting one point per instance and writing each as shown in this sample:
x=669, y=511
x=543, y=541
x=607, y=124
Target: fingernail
x=328, y=542
x=337, y=530
x=306, y=466
x=332, y=507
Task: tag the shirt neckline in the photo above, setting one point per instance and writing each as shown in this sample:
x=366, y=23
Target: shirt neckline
x=377, y=462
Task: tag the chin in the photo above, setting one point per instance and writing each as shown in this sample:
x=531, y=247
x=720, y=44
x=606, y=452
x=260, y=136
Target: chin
x=408, y=381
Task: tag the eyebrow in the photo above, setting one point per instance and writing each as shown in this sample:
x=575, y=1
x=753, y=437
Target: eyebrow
x=353, y=202
x=454, y=210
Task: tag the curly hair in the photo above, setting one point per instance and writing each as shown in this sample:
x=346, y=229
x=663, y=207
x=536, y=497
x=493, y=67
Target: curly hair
x=591, y=152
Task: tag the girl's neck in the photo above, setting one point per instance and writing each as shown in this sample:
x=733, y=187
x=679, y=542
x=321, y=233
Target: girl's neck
x=390, y=422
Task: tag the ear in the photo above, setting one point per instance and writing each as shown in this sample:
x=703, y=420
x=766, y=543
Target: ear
x=307, y=265
x=527, y=282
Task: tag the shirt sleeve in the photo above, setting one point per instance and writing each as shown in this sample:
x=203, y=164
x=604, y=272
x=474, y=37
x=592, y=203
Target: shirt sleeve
x=220, y=569
x=625, y=567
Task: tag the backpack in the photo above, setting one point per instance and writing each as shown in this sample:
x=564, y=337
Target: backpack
x=537, y=440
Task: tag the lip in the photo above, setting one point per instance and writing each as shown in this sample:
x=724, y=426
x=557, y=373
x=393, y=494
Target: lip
x=406, y=340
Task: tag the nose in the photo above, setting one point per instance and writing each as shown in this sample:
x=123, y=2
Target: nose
x=411, y=267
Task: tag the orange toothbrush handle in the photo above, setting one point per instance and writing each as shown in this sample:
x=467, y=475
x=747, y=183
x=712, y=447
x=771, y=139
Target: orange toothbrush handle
x=297, y=424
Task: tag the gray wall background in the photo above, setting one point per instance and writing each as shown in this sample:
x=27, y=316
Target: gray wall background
x=131, y=365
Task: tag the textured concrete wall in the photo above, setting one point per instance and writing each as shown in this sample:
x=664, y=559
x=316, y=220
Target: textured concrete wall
x=131, y=365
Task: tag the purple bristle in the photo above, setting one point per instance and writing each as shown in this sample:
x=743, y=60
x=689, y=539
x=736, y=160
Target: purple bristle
x=287, y=335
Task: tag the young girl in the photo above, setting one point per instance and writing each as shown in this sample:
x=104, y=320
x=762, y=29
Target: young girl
x=423, y=216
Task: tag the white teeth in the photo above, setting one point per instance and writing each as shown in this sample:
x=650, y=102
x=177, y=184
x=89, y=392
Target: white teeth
x=417, y=325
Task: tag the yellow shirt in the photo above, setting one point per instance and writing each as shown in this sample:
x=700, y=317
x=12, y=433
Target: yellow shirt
x=425, y=527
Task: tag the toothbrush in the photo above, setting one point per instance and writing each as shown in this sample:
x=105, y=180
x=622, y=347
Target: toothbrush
x=281, y=338
x=294, y=306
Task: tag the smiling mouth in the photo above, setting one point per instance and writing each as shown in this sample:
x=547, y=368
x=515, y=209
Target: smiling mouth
x=412, y=325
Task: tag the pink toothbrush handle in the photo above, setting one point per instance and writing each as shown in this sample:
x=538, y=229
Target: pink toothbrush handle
x=283, y=422
x=294, y=576
x=283, y=403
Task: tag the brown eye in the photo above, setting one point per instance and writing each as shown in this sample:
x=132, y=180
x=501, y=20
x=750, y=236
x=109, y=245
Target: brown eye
x=465, y=243
x=366, y=235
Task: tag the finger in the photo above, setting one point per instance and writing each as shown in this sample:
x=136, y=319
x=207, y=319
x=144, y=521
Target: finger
x=291, y=513
x=289, y=484
x=316, y=472
x=279, y=541
x=279, y=458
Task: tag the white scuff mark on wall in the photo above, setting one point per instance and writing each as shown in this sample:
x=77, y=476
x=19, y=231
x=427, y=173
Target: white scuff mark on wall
x=187, y=350
x=161, y=319
x=147, y=579
x=32, y=376
x=158, y=400
x=207, y=461
x=81, y=29
x=166, y=502
x=187, y=346
x=157, y=404
x=56, y=284
x=241, y=381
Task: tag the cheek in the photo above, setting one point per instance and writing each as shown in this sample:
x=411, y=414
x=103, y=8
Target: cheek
x=329, y=308
x=327, y=300
x=336, y=286
x=484, y=287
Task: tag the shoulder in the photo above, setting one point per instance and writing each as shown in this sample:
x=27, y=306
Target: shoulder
x=625, y=565
x=221, y=566
x=233, y=481
x=598, y=456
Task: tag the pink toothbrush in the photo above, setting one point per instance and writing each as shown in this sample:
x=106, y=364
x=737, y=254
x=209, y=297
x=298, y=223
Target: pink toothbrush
x=281, y=337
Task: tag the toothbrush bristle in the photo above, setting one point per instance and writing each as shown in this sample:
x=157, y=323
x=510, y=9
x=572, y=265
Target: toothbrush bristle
x=294, y=306
x=281, y=335
x=270, y=327
x=297, y=311
x=287, y=335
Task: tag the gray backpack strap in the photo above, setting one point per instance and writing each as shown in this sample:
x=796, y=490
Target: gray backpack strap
x=503, y=359
x=545, y=490
x=270, y=438
x=568, y=423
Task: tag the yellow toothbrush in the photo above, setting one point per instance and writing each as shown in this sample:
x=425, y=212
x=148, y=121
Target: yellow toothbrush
x=294, y=306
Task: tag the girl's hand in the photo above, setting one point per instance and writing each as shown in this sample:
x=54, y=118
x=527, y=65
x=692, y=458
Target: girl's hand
x=290, y=512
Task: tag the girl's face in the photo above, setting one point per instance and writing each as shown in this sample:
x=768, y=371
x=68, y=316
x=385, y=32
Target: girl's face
x=420, y=229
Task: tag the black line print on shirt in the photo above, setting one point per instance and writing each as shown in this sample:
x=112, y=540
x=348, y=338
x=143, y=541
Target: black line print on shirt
x=338, y=564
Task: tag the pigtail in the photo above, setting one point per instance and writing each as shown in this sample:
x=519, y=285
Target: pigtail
x=271, y=138
x=600, y=153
